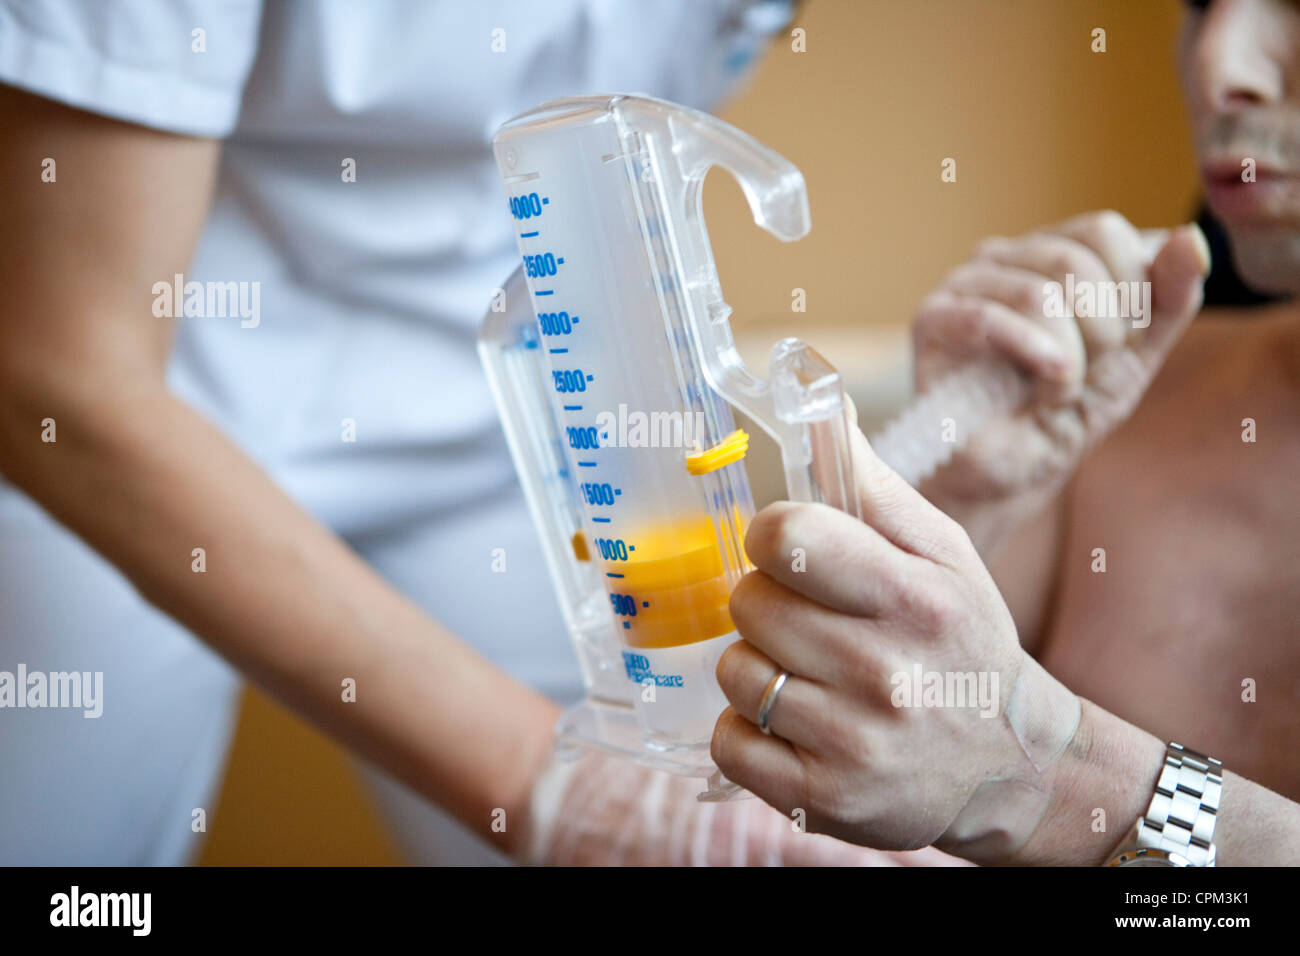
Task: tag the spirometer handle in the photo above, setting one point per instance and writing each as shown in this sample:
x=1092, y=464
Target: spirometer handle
x=813, y=432
x=772, y=185
x=778, y=200
x=801, y=403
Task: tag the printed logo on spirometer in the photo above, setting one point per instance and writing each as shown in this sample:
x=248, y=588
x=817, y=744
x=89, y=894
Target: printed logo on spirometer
x=639, y=672
x=637, y=429
x=210, y=300
x=58, y=690
x=1085, y=299
x=956, y=689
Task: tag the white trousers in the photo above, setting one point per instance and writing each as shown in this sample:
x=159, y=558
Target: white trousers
x=122, y=788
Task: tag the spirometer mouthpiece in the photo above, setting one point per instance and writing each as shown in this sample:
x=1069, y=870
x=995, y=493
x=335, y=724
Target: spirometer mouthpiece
x=929, y=432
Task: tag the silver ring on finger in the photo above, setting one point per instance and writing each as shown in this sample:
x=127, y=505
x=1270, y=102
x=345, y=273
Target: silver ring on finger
x=768, y=700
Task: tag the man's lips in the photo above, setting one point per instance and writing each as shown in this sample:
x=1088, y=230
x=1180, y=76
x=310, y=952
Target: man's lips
x=1237, y=200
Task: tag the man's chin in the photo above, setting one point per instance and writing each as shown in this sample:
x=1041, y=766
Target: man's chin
x=1268, y=260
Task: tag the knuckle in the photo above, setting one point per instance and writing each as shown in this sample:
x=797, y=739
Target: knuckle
x=1109, y=227
x=840, y=736
x=958, y=538
x=930, y=602
x=974, y=318
x=965, y=274
x=719, y=746
x=1102, y=334
x=744, y=605
x=933, y=308
x=867, y=666
x=1028, y=299
x=729, y=664
x=771, y=531
x=834, y=802
x=1062, y=262
x=888, y=492
x=991, y=246
x=852, y=734
x=941, y=540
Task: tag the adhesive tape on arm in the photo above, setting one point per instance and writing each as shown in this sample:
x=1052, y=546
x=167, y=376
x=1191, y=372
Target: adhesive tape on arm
x=1004, y=811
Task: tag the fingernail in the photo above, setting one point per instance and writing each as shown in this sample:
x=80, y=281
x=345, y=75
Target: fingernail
x=1202, y=247
x=1153, y=240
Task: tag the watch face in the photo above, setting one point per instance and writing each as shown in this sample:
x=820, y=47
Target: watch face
x=1150, y=857
x=1147, y=861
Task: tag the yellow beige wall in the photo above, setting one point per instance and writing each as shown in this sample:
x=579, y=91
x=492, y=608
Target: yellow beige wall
x=1040, y=128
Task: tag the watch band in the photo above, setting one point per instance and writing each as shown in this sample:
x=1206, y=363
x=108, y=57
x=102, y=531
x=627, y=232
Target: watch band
x=1185, y=807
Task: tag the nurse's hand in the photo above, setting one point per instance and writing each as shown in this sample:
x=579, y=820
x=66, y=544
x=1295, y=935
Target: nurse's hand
x=1089, y=368
x=844, y=606
x=599, y=811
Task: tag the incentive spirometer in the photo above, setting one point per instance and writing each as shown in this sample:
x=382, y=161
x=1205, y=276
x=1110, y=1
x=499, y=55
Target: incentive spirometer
x=611, y=359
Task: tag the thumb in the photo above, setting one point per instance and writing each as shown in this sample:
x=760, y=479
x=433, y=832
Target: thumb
x=898, y=511
x=1177, y=290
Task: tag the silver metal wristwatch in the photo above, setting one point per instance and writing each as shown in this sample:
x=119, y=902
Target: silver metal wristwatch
x=1178, y=828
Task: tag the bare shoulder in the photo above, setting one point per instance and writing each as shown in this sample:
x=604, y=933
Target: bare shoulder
x=1225, y=353
x=1226, y=340
x=1229, y=365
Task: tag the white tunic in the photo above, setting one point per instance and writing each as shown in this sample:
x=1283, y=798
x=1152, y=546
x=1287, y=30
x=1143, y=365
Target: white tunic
x=370, y=293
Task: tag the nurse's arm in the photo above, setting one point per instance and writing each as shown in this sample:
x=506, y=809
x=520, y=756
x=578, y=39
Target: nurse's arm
x=145, y=480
